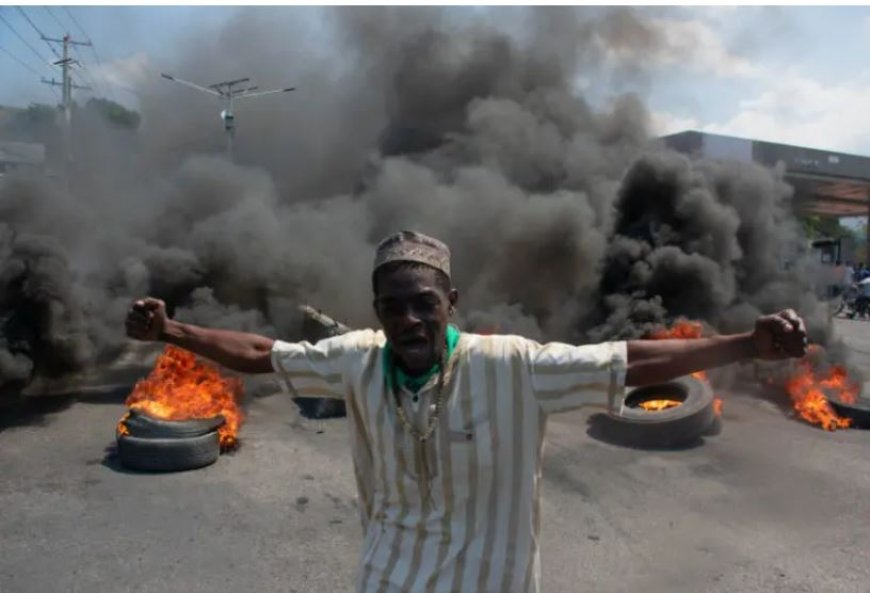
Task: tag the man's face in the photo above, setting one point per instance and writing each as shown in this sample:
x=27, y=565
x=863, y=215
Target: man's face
x=414, y=312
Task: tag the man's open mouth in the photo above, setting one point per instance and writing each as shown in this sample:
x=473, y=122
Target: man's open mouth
x=414, y=346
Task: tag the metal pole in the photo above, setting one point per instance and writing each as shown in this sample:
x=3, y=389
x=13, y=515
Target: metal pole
x=67, y=86
x=67, y=107
x=230, y=126
x=227, y=91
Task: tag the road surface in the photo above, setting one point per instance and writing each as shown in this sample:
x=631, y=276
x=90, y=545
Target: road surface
x=769, y=505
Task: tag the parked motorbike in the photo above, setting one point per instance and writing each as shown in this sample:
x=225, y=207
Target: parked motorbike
x=851, y=304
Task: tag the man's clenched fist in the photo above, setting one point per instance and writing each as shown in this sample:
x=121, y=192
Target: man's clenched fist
x=779, y=336
x=146, y=319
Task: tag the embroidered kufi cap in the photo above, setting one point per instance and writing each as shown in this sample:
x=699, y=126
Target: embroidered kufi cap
x=415, y=247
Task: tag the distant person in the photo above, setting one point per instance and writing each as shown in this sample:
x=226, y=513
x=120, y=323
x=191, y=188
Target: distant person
x=848, y=275
x=447, y=426
x=862, y=301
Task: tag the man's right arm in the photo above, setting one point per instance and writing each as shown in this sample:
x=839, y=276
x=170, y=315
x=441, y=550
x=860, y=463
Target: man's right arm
x=239, y=351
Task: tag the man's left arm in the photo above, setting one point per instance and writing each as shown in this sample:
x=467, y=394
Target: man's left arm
x=775, y=337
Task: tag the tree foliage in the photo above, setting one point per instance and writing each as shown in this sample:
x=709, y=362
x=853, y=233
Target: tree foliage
x=817, y=227
x=36, y=123
x=114, y=113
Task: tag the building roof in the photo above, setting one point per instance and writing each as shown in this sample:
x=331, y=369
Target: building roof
x=826, y=183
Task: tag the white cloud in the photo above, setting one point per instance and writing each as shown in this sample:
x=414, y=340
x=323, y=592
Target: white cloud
x=795, y=109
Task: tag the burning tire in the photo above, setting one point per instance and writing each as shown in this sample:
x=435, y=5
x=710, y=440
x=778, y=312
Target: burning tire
x=681, y=413
x=145, y=426
x=858, y=414
x=168, y=454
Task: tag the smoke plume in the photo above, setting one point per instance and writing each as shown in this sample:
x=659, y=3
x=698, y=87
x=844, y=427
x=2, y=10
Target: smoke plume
x=566, y=220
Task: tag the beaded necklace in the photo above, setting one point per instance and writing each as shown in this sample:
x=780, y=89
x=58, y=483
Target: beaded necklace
x=422, y=436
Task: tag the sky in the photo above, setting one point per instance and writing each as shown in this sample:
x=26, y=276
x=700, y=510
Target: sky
x=797, y=75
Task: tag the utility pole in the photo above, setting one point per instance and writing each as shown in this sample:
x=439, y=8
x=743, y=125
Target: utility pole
x=65, y=63
x=229, y=91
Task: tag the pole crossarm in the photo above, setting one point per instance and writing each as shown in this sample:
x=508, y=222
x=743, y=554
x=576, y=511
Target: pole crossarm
x=67, y=40
x=272, y=92
x=226, y=91
x=191, y=84
x=53, y=82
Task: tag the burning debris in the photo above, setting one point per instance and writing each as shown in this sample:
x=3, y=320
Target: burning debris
x=682, y=329
x=811, y=383
x=183, y=387
x=811, y=390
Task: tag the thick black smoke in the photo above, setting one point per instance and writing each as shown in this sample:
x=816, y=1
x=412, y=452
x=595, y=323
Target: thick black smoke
x=565, y=219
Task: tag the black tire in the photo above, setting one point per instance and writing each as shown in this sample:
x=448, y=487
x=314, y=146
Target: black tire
x=321, y=408
x=144, y=426
x=315, y=327
x=859, y=414
x=675, y=427
x=168, y=455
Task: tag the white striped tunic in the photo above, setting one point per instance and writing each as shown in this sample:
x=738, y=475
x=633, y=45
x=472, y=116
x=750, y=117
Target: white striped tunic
x=475, y=526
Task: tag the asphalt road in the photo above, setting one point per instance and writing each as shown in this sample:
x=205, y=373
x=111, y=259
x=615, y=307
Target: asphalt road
x=769, y=505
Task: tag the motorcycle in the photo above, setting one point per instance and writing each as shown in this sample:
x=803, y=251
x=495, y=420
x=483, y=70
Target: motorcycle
x=852, y=304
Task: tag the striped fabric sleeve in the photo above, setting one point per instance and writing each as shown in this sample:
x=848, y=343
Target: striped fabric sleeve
x=566, y=377
x=315, y=370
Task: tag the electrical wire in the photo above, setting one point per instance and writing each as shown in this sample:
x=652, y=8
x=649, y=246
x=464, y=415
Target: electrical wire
x=52, y=15
x=19, y=60
x=28, y=67
x=107, y=85
x=39, y=32
x=23, y=40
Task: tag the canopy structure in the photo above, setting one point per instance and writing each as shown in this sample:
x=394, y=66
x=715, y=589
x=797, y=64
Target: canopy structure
x=826, y=183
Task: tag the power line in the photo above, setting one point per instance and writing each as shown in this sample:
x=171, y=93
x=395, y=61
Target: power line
x=90, y=79
x=57, y=20
x=75, y=22
x=87, y=74
x=38, y=32
x=105, y=81
x=44, y=38
x=48, y=41
x=17, y=59
x=65, y=63
x=23, y=40
x=26, y=65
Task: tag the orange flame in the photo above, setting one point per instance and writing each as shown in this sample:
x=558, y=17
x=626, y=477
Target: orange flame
x=683, y=329
x=122, y=428
x=809, y=389
x=183, y=387
x=656, y=405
